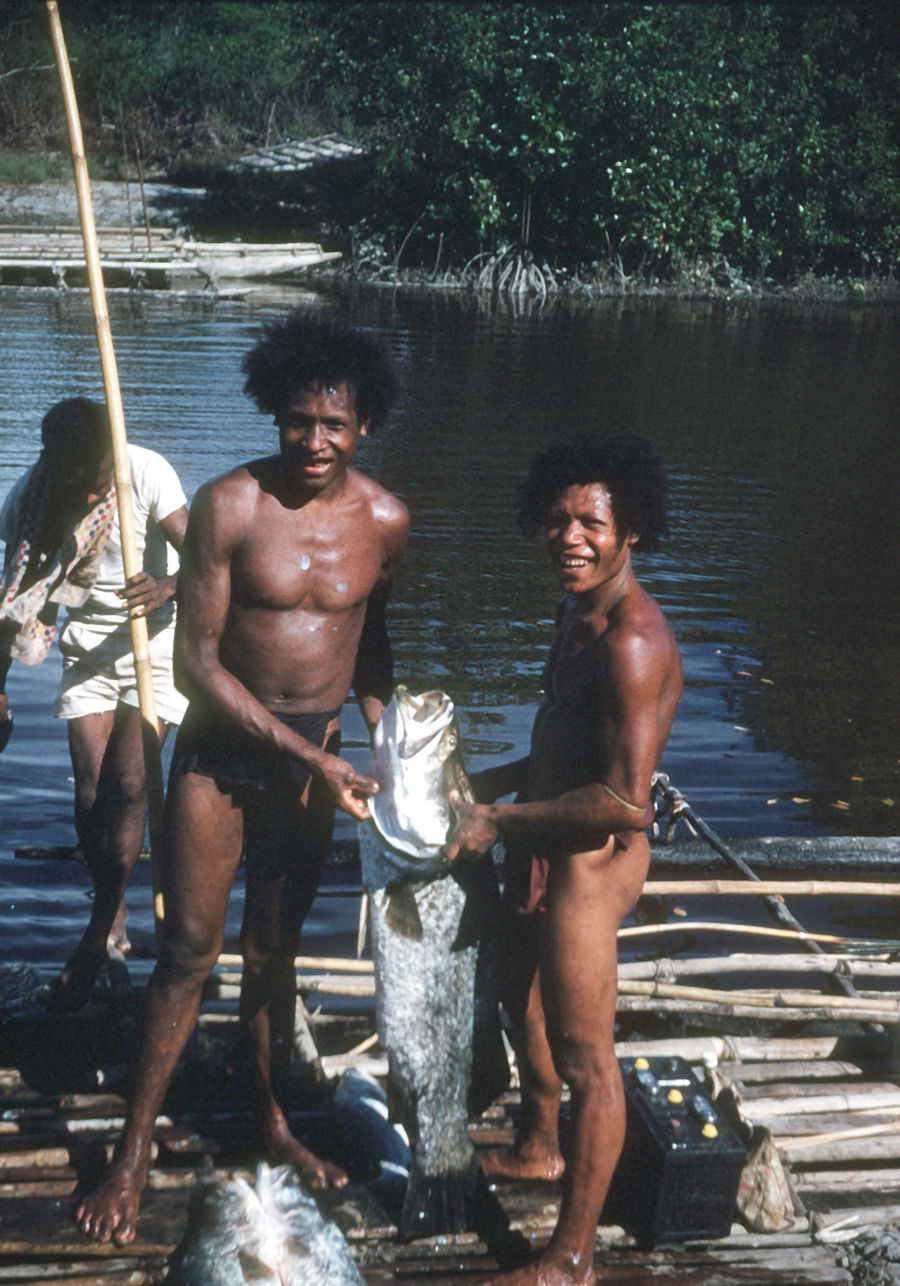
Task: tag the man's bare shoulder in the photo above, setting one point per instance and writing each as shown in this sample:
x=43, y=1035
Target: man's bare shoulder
x=243, y=482
x=386, y=509
x=225, y=506
x=638, y=630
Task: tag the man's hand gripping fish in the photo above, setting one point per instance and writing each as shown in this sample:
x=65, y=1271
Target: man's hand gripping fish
x=433, y=940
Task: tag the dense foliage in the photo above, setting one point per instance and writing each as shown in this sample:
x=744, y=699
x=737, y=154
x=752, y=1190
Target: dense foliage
x=765, y=133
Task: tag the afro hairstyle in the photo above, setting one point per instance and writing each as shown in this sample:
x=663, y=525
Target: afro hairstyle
x=626, y=463
x=310, y=349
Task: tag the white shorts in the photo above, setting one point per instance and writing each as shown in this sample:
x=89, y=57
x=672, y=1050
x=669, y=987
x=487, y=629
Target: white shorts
x=98, y=673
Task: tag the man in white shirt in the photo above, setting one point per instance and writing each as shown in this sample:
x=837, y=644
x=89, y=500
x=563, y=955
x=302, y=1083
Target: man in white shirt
x=63, y=547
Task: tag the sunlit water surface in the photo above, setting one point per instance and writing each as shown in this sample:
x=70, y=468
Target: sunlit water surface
x=779, y=576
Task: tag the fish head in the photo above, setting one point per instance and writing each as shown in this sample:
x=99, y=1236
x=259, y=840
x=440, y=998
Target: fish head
x=227, y=1221
x=417, y=761
x=423, y=726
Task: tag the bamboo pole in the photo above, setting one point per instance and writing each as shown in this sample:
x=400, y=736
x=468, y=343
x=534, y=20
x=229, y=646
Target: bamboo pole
x=738, y=1008
x=750, y=930
x=667, y=969
x=139, y=633
x=776, y=888
x=758, y=997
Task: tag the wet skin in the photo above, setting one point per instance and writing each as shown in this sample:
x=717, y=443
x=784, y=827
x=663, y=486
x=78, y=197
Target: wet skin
x=285, y=576
x=612, y=684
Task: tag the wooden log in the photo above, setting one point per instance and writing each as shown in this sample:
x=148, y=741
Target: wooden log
x=882, y=1179
x=724, y=1009
x=36, y=1156
x=776, y=888
x=790, y=999
x=732, y=1049
x=322, y=964
x=361, y=989
x=878, y=965
x=808, y=1124
x=763, y=1077
x=838, y=1097
x=375, y=1066
x=38, y=1188
x=668, y=968
x=845, y=1224
x=102, y=1274
x=874, y=1144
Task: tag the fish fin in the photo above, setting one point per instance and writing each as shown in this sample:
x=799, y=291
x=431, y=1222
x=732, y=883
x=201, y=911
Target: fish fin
x=439, y=1204
x=362, y=931
x=401, y=914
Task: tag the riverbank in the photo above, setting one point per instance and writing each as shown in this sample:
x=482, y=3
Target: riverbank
x=509, y=272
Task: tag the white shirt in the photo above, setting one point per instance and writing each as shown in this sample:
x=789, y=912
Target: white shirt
x=156, y=493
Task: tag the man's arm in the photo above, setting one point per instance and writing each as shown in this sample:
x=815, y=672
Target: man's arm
x=144, y=593
x=373, y=675
x=218, y=515
x=584, y=818
x=491, y=783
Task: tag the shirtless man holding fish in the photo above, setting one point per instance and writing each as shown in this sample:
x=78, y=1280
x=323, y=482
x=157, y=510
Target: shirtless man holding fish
x=577, y=851
x=285, y=576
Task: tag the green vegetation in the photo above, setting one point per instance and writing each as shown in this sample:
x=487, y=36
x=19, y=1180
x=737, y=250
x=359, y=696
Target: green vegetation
x=642, y=136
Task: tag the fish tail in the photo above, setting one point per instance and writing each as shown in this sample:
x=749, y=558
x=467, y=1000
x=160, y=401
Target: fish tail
x=439, y=1203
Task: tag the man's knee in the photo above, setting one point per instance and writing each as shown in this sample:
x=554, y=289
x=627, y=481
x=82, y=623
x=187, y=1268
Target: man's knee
x=263, y=955
x=188, y=953
x=587, y=1067
x=131, y=788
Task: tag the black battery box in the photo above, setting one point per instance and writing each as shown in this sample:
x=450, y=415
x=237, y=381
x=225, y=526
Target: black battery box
x=681, y=1163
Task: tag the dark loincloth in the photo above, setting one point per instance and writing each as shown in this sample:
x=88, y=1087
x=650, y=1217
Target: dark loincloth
x=242, y=765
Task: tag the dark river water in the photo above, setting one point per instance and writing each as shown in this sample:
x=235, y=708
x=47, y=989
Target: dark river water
x=778, y=424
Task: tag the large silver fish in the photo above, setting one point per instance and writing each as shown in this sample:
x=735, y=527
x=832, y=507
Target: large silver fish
x=433, y=941
x=272, y=1234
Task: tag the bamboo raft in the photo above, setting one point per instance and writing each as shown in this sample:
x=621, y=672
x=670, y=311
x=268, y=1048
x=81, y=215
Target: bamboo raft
x=754, y=1012
x=157, y=258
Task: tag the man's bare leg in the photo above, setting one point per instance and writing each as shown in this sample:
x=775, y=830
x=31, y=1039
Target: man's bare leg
x=536, y=1153
x=276, y=905
x=205, y=839
x=588, y=897
x=110, y=812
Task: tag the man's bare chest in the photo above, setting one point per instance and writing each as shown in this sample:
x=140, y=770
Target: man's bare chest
x=297, y=567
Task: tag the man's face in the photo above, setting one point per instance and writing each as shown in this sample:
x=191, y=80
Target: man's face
x=583, y=540
x=318, y=434
x=78, y=481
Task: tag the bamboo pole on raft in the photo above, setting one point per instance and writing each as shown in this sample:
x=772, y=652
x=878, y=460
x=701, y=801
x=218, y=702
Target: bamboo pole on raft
x=139, y=633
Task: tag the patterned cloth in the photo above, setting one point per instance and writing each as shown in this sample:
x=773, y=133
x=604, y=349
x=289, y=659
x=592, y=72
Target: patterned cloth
x=64, y=576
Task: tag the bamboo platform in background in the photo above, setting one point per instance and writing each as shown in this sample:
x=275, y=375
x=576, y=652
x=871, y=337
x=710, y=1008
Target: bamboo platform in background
x=56, y=256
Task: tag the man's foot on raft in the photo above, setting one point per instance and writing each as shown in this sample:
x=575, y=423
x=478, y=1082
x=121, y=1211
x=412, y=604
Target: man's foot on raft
x=315, y=1173
x=541, y=1273
x=522, y=1162
x=73, y=986
x=109, y=1213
